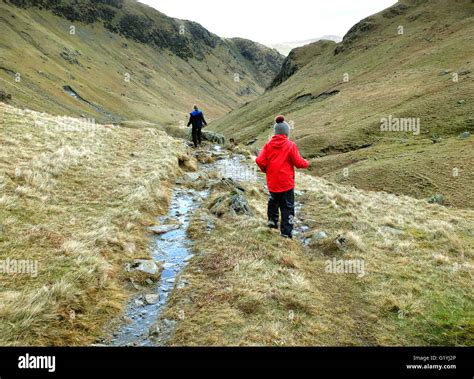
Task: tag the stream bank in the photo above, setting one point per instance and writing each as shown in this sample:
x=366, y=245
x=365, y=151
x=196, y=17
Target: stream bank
x=173, y=249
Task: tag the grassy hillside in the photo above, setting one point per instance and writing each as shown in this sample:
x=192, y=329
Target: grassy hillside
x=122, y=60
x=266, y=62
x=76, y=199
x=255, y=288
x=413, y=60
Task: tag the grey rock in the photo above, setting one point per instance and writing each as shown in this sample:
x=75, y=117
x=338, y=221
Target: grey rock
x=152, y=299
x=70, y=56
x=234, y=203
x=169, y=323
x=465, y=135
x=321, y=235
x=239, y=204
x=191, y=176
x=162, y=229
x=146, y=266
x=155, y=331
x=214, y=137
x=341, y=241
x=127, y=320
x=437, y=199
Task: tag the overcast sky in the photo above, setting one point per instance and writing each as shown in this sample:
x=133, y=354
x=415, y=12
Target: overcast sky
x=272, y=21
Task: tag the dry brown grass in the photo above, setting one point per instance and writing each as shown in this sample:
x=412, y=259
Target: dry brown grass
x=247, y=286
x=77, y=202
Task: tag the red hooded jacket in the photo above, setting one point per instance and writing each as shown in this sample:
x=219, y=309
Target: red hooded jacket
x=278, y=160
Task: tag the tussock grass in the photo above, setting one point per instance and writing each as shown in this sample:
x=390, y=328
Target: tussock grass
x=248, y=286
x=77, y=201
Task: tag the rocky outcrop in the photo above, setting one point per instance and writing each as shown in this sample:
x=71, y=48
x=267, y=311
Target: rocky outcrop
x=395, y=11
x=289, y=67
x=4, y=96
x=214, y=137
x=265, y=62
x=300, y=57
x=70, y=56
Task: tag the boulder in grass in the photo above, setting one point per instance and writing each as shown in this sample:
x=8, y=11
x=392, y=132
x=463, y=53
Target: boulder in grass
x=329, y=246
x=214, y=137
x=437, y=199
x=321, y=235
x=239, y=204
x=233, y=203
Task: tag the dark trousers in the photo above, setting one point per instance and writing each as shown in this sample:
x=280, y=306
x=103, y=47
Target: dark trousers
x=283, y=202
x=197, y=136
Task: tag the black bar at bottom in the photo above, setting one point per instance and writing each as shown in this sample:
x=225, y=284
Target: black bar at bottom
x=382, y=362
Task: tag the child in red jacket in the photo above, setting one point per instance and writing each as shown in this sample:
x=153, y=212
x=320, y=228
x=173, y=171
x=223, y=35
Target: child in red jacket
x=278, y=160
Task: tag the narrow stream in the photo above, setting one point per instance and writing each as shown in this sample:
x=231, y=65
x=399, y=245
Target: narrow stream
x=174, y=250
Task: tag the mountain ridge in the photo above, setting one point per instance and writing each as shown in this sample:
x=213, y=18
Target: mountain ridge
x=124, y=57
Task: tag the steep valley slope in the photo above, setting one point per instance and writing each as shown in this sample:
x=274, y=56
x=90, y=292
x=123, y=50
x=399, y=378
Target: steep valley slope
x=411, y=62
x=122, y=60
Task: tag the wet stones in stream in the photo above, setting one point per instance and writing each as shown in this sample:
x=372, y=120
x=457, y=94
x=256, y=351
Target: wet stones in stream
x=152, y=299
x=143, y=272
x=198, y=181
x=146, y=266
x=172, y=248
x=163, y=229
x=204, y=157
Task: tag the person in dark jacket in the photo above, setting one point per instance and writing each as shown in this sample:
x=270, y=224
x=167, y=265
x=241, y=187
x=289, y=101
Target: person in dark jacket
x=278, y=160
x=197, y=120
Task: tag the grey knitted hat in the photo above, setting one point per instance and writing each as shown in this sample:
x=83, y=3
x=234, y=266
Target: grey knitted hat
x=282, y=128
